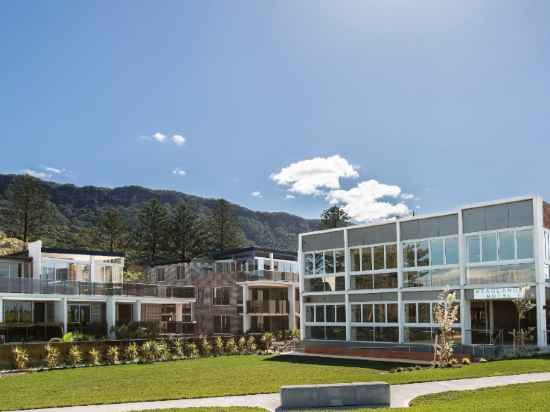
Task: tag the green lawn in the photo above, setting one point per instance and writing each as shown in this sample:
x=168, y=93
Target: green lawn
x=526, y=397
x=232, y=375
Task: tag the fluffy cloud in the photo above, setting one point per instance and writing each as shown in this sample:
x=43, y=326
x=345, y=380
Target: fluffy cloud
x=407, y=196
x=256, y=194
x=365, y=202
x=159, y=137
x=289, y=196
x=54, y=170
x=36, y=173
x=47, y=172
x=179, y=172
x=178, y=139
x=309, y=177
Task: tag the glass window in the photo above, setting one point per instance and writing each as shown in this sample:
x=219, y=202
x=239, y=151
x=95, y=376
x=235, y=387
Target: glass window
x=330, y=313
x=340, y=283
x=356, y=313
x=410, y=313
x=437, y=256
x=422, y=253
x=310, y=314
x=329, y=262
x=308, y=263
x=340, y=313
x=451, y=251
x=380, y=315
x=525, y=244
x=366, y=259
x=355, y=255
x=319, y=263
x=221, y=295
x=378, y=257
x=506, y=247
x=368, y=313
x=361, y=282
x=474, y=254
x=319, y=313
x=391, y=256
x=4, y=270
x=489, y=247
x=385, y=281
x=392, y=312
x=408, y=255
x=410, y=280
x=423, y=313
x=340, y=261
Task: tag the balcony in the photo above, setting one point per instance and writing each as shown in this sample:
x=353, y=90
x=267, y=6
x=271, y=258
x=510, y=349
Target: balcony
x=269, y=275
x=68, y=287
x=272, y=307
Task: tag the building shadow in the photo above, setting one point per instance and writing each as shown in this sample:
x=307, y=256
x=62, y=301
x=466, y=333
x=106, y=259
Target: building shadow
x=338, y=362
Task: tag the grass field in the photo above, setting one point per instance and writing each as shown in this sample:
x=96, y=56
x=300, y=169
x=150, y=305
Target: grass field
x=231, y=375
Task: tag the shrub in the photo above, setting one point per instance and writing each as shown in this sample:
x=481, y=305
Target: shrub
x=178, y=348
x=21, y=357
x=218, y=346
x=94, y=356
x=205, y=347
x=162, y=352
x=241, y=344
x=112, y=355
x=231, y=346
x=132, y=352
x=453, y=362
x=251, y=344
x=75, y=356
x=68, y=337
x=52, y=356
x=466, y=361
x=267, y=341
x=296, y=334
x=149, y=351
x=191, y=350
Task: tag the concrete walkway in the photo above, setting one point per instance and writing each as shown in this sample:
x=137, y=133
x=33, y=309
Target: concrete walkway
x=401, y=395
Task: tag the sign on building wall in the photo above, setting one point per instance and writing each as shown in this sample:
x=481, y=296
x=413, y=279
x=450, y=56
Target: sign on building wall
x=497, y=293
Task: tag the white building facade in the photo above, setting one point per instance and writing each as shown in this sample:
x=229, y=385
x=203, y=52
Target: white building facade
x=378, y=283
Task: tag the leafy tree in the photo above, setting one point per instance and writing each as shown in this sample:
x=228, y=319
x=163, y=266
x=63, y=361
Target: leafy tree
x=10, y=246
x=111, y=229
x=187, y=233
x=30, y=209
x=334, y=217
x=225, y=232
x=151, y=230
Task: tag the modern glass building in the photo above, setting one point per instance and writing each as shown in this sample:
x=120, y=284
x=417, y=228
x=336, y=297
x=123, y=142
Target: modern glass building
x=378, y=283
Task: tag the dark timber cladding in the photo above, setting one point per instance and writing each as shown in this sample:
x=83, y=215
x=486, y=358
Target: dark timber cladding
x=430, y=227
x=501, y=216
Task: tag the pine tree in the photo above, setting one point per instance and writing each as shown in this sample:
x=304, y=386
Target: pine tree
x=187, y=233
x=111, y=229
x=151, y=230
x=225, y=232
x=334, y=217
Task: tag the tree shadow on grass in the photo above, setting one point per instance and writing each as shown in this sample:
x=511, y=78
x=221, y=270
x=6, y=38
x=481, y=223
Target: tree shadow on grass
x=338, y=362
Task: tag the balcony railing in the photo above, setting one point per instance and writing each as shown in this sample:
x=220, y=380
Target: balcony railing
x=68, y=287
x=270, y=275
x=276, y=307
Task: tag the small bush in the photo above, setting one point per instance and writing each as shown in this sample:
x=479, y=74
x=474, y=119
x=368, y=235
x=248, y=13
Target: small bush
x=75, y=356
x=112, y=355
x=21, y=357
x=52, y=356
x=453, y=362
x=251, y=344
x=267, y=341
x=218, y=346
x=230, y=346
x=94, y=357
x=241, y=345
x=191, y=350
x=68, y=337
x=149, y=351
x=466, y=361
x=162, y=352
x=132, y=352
x=179, y=348
x=205, y=347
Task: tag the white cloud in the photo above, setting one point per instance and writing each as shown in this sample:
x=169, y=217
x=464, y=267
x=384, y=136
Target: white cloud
x=309, y=176
x=365, y=202
x=256, y=194
x=289, y=196
x=178, y=139
x=159, y=137
x=36, y=173
x=179, y=172
x=407, y=196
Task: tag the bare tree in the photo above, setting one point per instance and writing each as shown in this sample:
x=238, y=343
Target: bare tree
x=446, y=315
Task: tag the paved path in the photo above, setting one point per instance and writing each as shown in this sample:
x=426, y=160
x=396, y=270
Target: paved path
x=401, y=395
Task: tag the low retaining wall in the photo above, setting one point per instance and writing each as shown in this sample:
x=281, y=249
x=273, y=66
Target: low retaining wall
x=380, y=353
x=372, y=394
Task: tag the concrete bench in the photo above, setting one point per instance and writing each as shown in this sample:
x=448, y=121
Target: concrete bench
x=335, y=395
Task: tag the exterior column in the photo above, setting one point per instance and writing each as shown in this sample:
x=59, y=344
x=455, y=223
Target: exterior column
x=65, y=314
x=541, y=316
x=111, y=314
x=400, y=306
x=301, y=280
x=92, y=269
x=466, y=319
x=246, y=316
x=538, y=243
x=1, y=310
x=347, y=266
x=136, y=315
x=465, y=312
x=179, y=312
x=291, y=307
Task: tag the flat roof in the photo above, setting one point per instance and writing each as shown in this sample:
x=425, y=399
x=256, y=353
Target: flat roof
x=61, y=251
x=253, y=252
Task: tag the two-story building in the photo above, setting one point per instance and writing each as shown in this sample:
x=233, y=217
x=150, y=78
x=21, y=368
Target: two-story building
x=45, y=292
x=377, y=284
x=241, y=290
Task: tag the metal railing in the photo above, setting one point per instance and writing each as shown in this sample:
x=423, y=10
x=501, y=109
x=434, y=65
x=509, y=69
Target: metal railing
x=69, y=287
x=269, y=275
x=277, y=307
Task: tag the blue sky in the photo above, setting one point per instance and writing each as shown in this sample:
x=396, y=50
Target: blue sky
x=446, y=102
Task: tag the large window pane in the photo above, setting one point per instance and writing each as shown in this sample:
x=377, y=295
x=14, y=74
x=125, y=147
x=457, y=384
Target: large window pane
x=366, y=259
x=356, y=313
x=319, y=313
x=368, y=315
x=330, y=313
x=310, y=314
x=319, y=263
x=385, y=281
x=506, y=246
x=391, y=256
x=380, y=314
x=340, y=261
x=361, y=282
x=451, y=251
x=423, y=313
x=525, y=244
x=392, y=312
x=422, y=253
x=436, y=247
x=362, y=334
x=474, y=253
x=340, y=313
x=355, y=255
x=408, y=255
x=340, y=283
x=329, y=262
x=410, y=313
x=4, y=270
x=378, y=257
x=489, y=247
